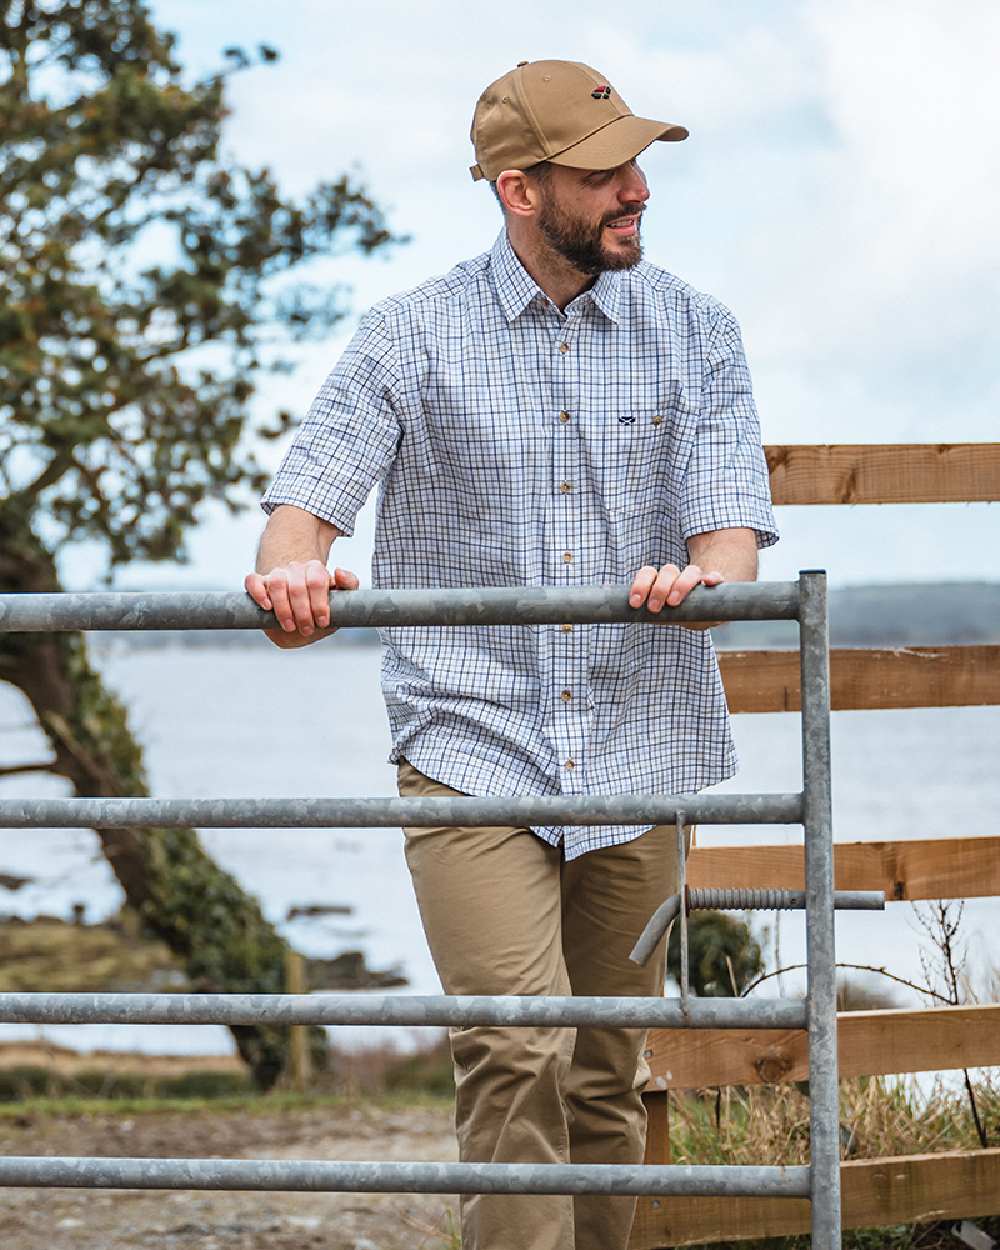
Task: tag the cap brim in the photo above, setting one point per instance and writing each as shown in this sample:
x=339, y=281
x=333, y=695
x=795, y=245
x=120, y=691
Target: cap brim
x=617, y=142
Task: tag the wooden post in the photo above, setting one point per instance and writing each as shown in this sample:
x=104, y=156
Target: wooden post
x=299, y=1064
x=657, y=1103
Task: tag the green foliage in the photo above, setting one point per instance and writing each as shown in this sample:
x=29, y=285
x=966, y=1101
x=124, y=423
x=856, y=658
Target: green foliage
x=141, y=275
x=723, y=955
x=35, y=1108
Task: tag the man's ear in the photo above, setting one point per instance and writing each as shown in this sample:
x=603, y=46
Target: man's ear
x=517, y=193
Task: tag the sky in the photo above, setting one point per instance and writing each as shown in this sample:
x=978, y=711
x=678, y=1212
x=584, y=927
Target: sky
x=839, y=192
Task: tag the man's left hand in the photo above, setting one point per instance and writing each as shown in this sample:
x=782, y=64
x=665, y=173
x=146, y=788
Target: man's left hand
x=671, y=585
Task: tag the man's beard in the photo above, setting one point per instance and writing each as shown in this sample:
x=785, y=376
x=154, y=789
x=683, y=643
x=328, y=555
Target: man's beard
x=580, y=243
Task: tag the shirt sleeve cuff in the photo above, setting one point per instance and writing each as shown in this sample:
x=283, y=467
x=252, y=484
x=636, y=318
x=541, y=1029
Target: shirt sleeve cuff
x=317, y=506
x=708, y=521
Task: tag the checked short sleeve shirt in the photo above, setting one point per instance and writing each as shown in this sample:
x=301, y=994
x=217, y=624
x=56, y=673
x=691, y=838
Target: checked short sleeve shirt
x=516, y=445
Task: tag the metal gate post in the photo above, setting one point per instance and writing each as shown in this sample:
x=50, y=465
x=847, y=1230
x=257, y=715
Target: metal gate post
x=821, y=994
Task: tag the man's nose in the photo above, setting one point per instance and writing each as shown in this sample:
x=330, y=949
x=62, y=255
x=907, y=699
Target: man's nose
x=633, y=188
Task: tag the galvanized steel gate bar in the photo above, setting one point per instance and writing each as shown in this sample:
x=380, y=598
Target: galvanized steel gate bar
x=486, y=605
x=820, y=1180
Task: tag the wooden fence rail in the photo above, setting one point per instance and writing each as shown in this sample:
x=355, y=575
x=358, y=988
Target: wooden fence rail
x=914, y=1188
x=873, y=473
x=916, y=868
x=867, y=678
x=870, y=1043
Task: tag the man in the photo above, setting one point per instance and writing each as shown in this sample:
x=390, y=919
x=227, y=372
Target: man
x=556, y=413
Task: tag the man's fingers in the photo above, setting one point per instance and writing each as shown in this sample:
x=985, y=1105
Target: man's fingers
x=277, y=589
x=255, y=587
x=665, y=580
x=299, y=594
x=317, y=579
x=684, y=583
x=669, y=586
x=641, y=586
x=298, y=597
x=710, y=578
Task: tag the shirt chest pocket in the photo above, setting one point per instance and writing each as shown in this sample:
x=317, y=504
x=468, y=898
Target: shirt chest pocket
x=637, y=458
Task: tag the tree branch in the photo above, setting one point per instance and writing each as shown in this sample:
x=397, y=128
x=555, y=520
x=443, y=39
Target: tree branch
x=921, y=989
x=13, y=770
x=60, y=463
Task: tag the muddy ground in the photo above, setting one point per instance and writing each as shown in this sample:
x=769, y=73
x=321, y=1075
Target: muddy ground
x=61, y=1219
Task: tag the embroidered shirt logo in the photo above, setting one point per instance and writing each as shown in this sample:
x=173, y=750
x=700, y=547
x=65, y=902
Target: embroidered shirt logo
x=603, y=92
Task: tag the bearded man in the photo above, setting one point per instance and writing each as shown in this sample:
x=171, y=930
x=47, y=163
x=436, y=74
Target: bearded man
x=555, y=412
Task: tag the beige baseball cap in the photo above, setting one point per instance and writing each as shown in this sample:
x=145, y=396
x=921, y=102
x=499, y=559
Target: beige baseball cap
x=559, y=111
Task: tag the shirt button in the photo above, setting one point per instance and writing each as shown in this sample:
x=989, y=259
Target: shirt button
x=566, y=629
x=570, y=764
x=658, y=419
x=567, y=557
x=564, y=348
x=565, y=487
x=564, y=417
x=566, y=696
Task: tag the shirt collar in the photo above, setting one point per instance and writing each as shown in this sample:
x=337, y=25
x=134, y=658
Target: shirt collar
x=516, y=288
x=606, y=292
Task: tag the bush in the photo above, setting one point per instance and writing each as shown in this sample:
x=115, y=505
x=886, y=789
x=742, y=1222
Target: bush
x=724, y=956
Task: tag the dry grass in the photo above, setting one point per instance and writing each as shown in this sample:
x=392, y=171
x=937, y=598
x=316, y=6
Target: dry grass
x=880, y=1116
x=61, y=957
x=440, y=1235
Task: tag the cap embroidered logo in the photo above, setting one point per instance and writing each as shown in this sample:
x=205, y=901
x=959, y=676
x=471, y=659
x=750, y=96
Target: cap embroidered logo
x=603, y=92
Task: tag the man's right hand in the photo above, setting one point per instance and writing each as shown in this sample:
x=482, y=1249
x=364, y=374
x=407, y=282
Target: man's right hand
x=299, y=595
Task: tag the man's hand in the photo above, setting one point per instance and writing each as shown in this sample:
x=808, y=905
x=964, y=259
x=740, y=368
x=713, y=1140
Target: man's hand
x=671, y=586
x=299, y=595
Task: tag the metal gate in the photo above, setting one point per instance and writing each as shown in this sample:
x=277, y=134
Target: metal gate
x=804, y=601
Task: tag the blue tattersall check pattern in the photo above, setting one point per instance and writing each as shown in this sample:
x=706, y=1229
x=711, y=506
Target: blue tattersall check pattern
x=515, y=445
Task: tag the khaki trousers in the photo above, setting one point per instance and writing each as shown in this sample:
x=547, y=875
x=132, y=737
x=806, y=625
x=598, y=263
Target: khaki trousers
x=505, y=914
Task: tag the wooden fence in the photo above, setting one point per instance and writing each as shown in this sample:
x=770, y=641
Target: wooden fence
x=876, y=1192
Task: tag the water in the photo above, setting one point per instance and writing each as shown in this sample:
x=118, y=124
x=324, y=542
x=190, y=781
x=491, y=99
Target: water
x=244, y=722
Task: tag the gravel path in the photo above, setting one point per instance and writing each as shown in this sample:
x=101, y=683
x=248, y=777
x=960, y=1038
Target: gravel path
x=61, y=1219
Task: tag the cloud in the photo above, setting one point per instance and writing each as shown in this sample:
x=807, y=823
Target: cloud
x=839, y=188
x=858, y=246
x=911, y=95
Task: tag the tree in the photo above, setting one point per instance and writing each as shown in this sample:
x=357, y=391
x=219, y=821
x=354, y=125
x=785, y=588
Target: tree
x=723, y=955
x=145, y=278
